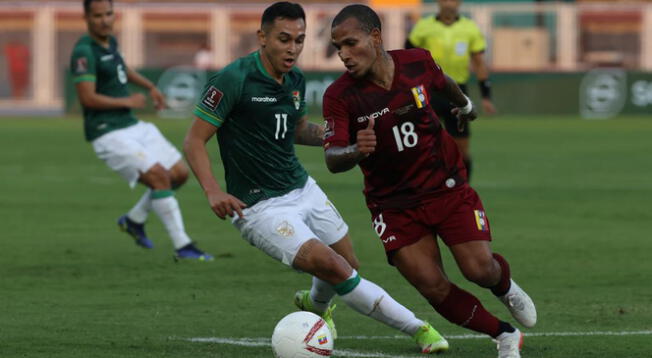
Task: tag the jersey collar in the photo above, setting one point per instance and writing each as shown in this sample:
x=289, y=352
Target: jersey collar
x=261, y=68
x=457, y=18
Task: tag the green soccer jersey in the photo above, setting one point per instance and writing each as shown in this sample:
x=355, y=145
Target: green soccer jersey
x=92, y=62
x=256, y=117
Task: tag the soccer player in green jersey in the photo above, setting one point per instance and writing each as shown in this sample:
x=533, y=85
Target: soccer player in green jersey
x=133, y=148
x=256, y=107
x=455, y=42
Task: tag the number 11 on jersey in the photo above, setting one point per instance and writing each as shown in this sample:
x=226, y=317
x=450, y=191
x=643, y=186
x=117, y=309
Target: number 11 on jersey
x=280, y=116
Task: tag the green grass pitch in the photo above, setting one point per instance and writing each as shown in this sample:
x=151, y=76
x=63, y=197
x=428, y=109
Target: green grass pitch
x=569, y=203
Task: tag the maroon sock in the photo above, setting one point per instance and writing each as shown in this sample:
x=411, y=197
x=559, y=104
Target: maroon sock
x=505, y=277
x=463, y=309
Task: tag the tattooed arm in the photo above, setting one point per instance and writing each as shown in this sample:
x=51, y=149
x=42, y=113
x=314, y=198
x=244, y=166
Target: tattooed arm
x=308, y=133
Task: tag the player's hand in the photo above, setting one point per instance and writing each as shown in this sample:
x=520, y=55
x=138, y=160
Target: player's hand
x=366, y=138
x=158, y=98
x=224, y=204
x=137, y=100
x=463, y=119
x=488, y=107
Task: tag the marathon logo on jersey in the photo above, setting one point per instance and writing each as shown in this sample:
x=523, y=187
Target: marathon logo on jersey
x=296, y=98
x=481, y=220
x=374, y=115
x=420, y=96
x=264, y=99
x=82, y=65
x=329, y=128
x=212, y=98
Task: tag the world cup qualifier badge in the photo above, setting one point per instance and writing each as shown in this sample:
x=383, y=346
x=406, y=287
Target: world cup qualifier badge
x=420, y=96
x=296, y=98
x=82, y=65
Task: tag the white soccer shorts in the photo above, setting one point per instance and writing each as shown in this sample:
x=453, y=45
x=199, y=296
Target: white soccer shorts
x=133, y=150
x=279, y=226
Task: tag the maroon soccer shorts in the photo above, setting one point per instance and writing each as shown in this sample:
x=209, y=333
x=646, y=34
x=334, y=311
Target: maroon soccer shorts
x=457, y=217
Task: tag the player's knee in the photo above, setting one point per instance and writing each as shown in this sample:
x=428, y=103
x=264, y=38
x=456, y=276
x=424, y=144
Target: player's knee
x=179, y=177
x=434, y=289
x=481, y=271
x=157, y=178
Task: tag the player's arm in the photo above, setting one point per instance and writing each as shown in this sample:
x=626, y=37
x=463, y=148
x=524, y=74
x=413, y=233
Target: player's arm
x=341, y=159
x=464, y=109
x=140, y=80
x=482, y=73
x=194, y=147
x=89, y=98
x=308, y=133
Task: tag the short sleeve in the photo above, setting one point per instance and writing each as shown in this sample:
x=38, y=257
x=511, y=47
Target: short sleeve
x=336, y=130
x=219, y=97
x=477, y=43
x=82, y=64
x=417, y=34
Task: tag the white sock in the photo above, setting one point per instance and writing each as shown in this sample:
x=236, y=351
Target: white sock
x=371, y=300
x=167, y=209
x=321, y=294
x=139, y=212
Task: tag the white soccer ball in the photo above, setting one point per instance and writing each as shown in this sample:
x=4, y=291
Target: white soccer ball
x=302, y=335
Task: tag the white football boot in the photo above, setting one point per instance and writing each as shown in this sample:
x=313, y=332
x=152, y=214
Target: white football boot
x=509, y=344
x=520, y=305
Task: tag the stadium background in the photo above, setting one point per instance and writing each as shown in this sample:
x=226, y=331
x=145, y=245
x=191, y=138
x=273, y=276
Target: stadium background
x=568, y=197
x=544, y=43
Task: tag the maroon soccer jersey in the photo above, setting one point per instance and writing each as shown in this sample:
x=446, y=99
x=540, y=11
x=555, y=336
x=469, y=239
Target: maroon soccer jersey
x=414, y=158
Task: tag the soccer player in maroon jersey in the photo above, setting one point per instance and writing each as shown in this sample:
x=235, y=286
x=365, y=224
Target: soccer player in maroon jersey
x=378, y=117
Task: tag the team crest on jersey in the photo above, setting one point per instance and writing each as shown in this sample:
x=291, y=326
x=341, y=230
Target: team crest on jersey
x=212, y=98
x=481, y=220
x=420, y=96
x=82, y=65
x=296, y=98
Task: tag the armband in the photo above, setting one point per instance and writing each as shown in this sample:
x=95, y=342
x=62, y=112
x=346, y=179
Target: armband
x=485, y=89
x=468, y=107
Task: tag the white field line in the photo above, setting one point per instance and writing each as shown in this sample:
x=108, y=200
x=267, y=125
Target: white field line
x=265, y=342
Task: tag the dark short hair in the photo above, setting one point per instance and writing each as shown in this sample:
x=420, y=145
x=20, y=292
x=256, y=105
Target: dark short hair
x=87, y=4
x=367, y=18
x=282, y=9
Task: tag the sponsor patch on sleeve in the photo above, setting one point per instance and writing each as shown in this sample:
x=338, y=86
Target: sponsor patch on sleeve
x=212, y=98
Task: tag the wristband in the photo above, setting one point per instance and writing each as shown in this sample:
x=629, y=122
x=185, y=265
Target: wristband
x=485, y=89
x=468, y=107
